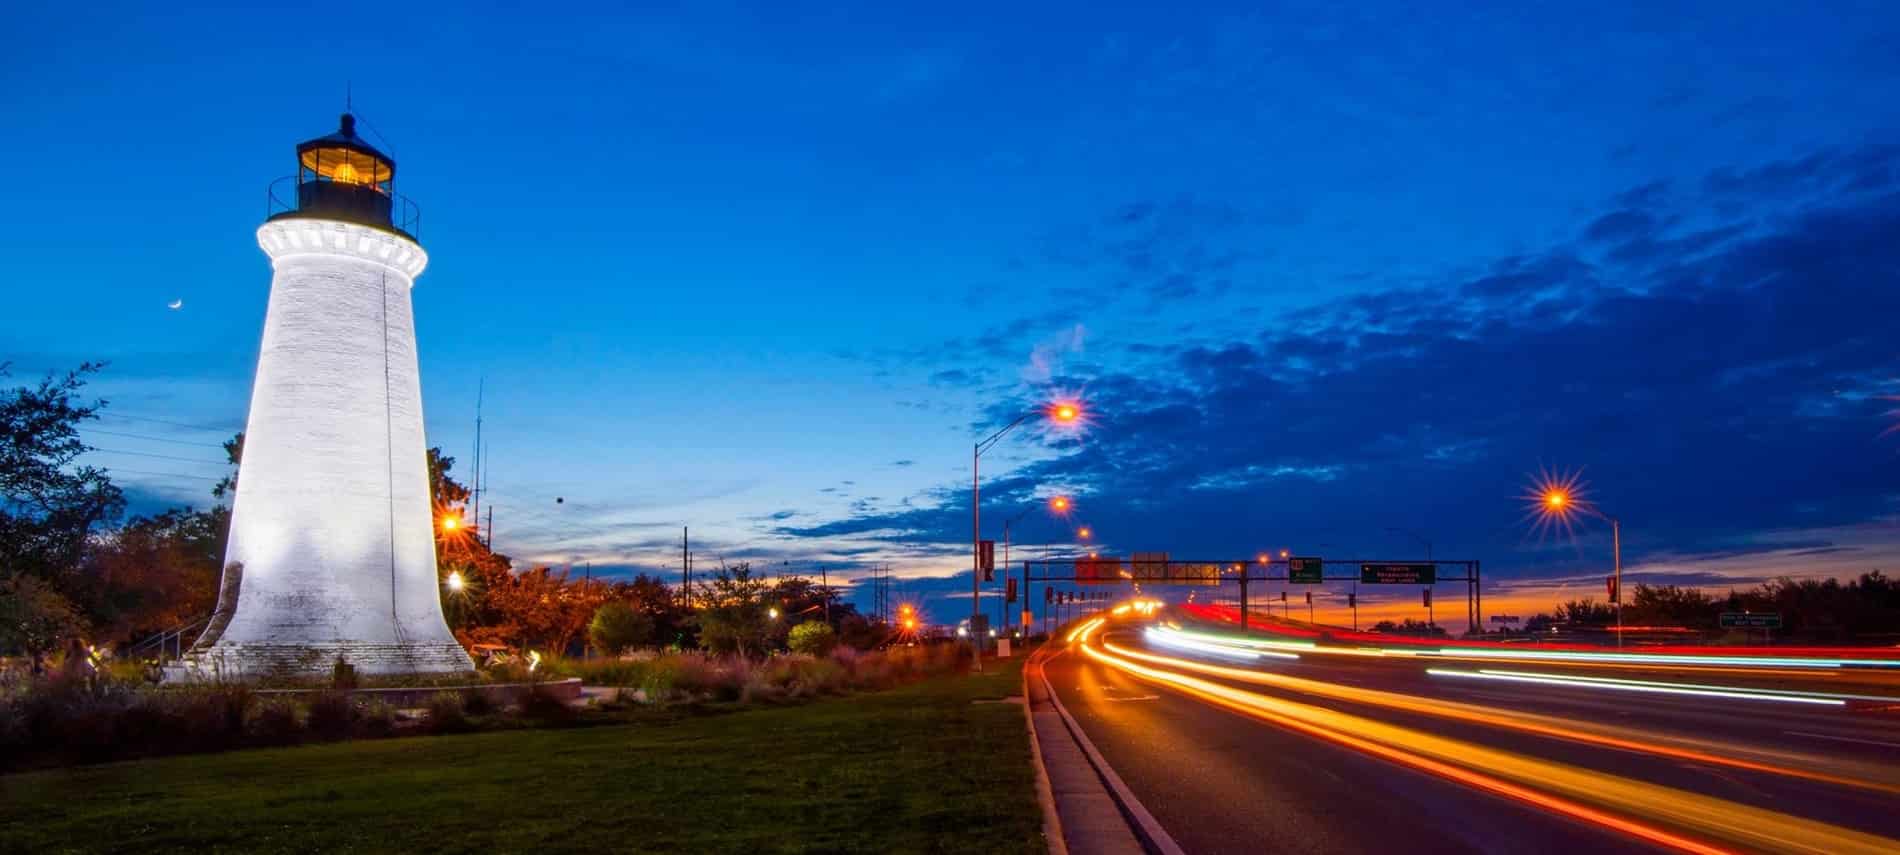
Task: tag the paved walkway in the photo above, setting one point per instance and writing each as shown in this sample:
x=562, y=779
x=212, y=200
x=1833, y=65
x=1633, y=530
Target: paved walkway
x=1088, y=819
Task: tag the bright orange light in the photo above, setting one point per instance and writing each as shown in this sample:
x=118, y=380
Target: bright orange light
x=1060, y=504
x=910, y=623
x=1283, y=553
x=1085, y=532
x=451, y=523
x=1263, y=558
x=455, y=582
x=904, y=609
x=1065, y=412
x=1554, y=502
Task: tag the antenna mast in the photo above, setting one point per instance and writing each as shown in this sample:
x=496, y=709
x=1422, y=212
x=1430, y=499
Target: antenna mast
x=480, y=387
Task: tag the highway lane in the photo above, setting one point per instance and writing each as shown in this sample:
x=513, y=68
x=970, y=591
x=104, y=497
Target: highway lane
x=1220, y=781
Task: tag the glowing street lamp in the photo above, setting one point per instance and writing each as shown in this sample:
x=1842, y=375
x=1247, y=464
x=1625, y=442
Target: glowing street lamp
x=455, y=583
x=1060, y=505
x=772, y=613
x=1556, y=501
x=1085, y=532
x=451, y=522
x=1067, y=413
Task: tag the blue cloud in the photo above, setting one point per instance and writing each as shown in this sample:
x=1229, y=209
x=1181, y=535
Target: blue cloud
x=1697, y=381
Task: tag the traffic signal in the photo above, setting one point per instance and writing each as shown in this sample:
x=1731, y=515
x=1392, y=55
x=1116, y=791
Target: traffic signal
x=1352, y=601
x=1428, y=597
x=1309, y=598
x=986, y=559
x=1610, y=582
x=1009, y=590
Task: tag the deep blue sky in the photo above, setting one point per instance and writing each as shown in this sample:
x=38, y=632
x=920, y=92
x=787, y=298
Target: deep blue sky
x=768, y=272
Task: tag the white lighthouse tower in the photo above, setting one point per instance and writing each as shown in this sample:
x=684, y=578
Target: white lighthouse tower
x=332, y=549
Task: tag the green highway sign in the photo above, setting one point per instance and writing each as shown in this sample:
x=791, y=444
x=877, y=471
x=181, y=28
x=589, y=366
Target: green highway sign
x=1398, y=574
x=1751, y=620
x=1305, y=571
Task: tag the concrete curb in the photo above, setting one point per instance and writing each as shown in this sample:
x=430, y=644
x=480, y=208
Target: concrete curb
x=1051, y=820
x=1103, y=815
x=1154, y=837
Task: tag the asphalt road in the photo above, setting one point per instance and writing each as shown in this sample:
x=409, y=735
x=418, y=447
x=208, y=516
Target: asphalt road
x=1224, y=781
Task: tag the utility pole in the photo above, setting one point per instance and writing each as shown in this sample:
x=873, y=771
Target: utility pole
x=824, y=584
x=476, y=504
x=686, y=569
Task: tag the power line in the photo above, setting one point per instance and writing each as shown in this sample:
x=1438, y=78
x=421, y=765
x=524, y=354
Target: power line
x=160, y=456
x=162, y=474
x=154, y=438
x=119, y=415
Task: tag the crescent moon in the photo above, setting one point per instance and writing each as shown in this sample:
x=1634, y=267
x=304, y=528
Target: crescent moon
x=175, y=305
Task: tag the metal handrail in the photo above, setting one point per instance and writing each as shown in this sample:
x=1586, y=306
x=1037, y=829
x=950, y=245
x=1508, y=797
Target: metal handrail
x=404, y=213
x=172, y=638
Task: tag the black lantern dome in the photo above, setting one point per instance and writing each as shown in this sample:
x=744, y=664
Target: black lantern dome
x=342, y=177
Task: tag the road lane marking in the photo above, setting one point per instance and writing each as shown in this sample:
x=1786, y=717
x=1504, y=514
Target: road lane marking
x=1631, y=686
x=1532, y=780
x=1597, y=733
x=1842, y=738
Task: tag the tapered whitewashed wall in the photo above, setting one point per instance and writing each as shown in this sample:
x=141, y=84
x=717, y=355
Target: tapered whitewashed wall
x=332, y=540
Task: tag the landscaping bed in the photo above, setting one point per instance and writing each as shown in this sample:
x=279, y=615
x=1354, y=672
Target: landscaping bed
x=921, y=768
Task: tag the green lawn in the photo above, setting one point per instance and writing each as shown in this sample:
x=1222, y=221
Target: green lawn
x=915, y=769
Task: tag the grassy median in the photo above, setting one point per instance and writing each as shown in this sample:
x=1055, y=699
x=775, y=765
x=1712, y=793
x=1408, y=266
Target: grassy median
x=916, y=769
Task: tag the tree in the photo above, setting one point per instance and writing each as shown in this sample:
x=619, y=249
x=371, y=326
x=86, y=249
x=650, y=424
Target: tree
x=1410, y=627
x=672, y=623
x=815, y=638
x=447, y=493
x=617, y=627
x=153, y=573
x=233, y=452
x=49, y=504
x=34, y=618
x=538, y=608
x=732, y=613
x=1587, y=612
x=1671, y=605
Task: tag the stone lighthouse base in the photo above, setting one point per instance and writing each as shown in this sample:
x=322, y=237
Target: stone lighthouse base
x=246, y=661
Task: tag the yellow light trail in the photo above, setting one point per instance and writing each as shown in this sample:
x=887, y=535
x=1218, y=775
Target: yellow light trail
x=1879, y=778
x=1528, y=779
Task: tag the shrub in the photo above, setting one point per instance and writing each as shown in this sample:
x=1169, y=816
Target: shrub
x=214, y=715
x=661, y=679
x=446, y=713
x=618, y=626
x=541, y=704
x=342, y=675
x=813, y=638
x=277, y=722
x=477, y=702
x=332, y=715
x=374, y=719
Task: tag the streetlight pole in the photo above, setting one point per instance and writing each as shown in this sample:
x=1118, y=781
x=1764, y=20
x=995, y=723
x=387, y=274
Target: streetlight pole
x=976, y=537
x=1558, y=500
x=1065, y=413
x=1616, y=551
